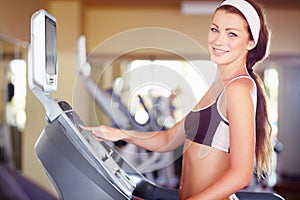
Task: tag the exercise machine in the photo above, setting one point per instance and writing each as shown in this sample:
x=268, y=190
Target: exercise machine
x=77, y=165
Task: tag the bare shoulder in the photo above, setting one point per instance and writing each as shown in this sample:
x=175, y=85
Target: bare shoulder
x=241, y=92
x=241, y=86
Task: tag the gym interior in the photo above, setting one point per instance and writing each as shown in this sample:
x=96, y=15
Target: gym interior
x=110, y=29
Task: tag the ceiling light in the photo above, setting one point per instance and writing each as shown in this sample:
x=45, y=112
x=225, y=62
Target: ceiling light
x=199, y=7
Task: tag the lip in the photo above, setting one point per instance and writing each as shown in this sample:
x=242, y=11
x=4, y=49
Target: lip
x=219, y=52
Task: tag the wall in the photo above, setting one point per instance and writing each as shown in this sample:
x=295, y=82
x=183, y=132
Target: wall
x=101, y=23
x=285, y=31
x=15, y=20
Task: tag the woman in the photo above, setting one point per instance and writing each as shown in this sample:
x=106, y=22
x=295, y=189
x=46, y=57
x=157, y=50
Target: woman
x=228, y=130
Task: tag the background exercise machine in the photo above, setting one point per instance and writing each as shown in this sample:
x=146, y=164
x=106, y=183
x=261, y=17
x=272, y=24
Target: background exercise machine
x=111, y=105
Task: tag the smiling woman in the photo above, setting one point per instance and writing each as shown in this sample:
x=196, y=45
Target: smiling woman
x=228, y=129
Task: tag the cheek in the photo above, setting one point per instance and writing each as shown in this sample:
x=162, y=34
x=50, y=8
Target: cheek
x=210, y=38
x=239, y=46
x=210, y=42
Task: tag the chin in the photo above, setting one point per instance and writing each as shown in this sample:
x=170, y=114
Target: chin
x=219, y=60
x=216, y=61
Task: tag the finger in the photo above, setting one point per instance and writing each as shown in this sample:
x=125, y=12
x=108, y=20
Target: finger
x=97, y=138
x=86, y=128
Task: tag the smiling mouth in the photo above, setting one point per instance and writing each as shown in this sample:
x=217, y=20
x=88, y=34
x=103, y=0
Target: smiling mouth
x=219, y=51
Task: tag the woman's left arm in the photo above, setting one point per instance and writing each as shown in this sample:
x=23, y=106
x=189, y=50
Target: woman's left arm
x=240, y=111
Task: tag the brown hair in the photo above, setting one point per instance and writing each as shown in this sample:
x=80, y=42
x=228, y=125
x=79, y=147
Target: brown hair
x=263, y=150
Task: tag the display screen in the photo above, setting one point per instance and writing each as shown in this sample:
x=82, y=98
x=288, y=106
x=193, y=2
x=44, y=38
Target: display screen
x=50, y=46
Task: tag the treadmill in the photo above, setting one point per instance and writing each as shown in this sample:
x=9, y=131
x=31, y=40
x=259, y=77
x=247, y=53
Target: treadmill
x=77, y=165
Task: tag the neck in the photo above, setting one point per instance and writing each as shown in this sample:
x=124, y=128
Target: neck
x=228, y=72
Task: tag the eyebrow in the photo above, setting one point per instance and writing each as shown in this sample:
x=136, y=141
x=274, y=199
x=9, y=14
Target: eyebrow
x=227, y=29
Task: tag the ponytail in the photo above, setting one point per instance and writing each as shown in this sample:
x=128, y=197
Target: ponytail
x=264, y=149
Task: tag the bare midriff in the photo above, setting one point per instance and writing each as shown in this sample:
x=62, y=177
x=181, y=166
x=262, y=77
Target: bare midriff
x=201, y=166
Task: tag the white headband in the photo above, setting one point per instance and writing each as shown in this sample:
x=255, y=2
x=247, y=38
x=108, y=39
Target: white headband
x=249, y=13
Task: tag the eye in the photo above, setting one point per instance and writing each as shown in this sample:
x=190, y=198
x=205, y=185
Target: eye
x=231, y=34
x=213, y=29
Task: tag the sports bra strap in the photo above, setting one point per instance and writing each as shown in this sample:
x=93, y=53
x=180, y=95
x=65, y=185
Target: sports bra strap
x=221, y=94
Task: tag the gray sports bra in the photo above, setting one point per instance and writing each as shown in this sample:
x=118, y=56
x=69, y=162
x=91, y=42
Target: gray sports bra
x=207, y=126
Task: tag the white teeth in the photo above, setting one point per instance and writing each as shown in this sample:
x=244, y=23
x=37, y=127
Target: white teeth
x=219, y=51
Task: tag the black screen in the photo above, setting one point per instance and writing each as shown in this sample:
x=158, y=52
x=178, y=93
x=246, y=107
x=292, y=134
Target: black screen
x=50, y=46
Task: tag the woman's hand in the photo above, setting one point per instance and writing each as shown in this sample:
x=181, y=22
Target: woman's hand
x=105, y=133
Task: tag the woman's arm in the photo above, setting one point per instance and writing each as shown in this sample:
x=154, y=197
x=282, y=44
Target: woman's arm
x=240, y=108
x=159, y=141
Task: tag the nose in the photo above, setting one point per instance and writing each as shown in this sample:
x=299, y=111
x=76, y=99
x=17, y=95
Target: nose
x=220, y=39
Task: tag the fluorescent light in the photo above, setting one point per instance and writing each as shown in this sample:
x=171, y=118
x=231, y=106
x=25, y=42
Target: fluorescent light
x=199, y=7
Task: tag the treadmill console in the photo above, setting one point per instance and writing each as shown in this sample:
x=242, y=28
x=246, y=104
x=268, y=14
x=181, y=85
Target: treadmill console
x=98, y=153
x=42, y=52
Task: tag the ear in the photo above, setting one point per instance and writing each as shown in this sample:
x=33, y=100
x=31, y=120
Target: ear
x=251, y=45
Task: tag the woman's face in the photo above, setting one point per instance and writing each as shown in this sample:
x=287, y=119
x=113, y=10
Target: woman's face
x=228, y=38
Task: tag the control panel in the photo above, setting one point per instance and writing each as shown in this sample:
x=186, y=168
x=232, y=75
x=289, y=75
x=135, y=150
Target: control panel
x=101, y=151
